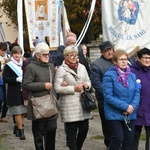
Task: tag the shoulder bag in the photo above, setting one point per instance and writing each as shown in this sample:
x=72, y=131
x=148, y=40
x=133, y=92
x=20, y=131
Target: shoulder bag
x=45, y=106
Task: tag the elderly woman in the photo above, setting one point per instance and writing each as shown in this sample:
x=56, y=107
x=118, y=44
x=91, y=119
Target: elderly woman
x=121, y=99
x=12, y=75
x=142, y=70
x=71, y=77
x=37, y=82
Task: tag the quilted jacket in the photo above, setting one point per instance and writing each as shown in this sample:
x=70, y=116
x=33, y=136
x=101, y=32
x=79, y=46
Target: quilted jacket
x=118, y=97
x=70, y=106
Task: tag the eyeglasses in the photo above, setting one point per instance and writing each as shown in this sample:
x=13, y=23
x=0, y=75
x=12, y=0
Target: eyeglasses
x=45, y=55
x=123, y=59
x=73, y=56
x=146, y=58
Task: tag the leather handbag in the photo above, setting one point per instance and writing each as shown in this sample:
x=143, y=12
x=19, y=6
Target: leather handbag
x=45, y=106
x=88, y=101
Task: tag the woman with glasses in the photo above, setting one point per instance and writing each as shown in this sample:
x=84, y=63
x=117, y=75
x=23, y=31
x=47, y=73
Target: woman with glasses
x=142, y=70
x=70, y=80
x=121, y=99
x=37, y=83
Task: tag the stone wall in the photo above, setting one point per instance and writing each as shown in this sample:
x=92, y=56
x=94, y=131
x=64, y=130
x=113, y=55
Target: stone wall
x=93, y=47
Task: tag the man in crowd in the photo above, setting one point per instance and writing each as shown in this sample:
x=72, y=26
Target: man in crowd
x=98, y=69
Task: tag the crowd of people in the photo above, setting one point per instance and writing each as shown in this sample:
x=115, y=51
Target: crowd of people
x=121, y=90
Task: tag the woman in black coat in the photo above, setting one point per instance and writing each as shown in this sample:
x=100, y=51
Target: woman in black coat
x=12, y=75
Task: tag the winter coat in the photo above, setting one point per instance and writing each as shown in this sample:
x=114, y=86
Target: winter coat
x=98, y=69
x=14, y=88
x=70, y=106
x=35, y=77
x=143, y=115
x=117, y=97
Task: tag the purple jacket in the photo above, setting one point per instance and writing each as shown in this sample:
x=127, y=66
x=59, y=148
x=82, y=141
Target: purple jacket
x=143, y=73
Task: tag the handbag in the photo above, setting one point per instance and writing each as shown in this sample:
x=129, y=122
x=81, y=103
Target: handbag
x=45, y=106
x=88, y=101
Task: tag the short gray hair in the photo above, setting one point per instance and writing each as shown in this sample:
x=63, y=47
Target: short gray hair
x=70, y=49
x=41, y=47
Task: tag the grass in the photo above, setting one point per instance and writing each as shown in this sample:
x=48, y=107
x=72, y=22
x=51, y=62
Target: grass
x=143, y=136
x=97, y=137
x=2, y=137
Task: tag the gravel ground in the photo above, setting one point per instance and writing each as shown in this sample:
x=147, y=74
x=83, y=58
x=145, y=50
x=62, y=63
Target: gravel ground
x=10, y=142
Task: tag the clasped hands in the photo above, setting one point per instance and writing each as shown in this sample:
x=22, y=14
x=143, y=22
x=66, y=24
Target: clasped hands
x=129, y=110
x=80, y=87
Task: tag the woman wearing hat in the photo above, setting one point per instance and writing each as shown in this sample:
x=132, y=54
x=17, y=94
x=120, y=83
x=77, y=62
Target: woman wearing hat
x=76, y=78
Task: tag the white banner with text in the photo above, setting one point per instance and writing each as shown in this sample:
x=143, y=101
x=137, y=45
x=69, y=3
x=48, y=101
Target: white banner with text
x=126, y=23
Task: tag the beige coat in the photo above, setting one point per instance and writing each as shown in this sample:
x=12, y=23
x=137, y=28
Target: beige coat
x=70, y=106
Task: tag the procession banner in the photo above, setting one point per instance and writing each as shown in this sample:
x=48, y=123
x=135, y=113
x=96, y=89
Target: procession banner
x=42, y=21
x=126, y=23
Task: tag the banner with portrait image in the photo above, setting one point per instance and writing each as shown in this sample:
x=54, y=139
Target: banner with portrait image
x=42, y=21
x=126, y=23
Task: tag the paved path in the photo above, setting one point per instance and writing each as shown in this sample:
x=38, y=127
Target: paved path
x=10, y=142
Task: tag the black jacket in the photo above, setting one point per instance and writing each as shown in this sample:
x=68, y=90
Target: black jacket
x=14, y=89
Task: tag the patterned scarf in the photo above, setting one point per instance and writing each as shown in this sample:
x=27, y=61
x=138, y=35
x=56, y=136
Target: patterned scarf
x=123, y=75
x=73, y=66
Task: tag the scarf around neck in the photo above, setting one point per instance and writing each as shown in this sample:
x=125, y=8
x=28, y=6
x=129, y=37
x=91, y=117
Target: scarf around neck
x=16, y=62
x=73, y=66
x=123, y=75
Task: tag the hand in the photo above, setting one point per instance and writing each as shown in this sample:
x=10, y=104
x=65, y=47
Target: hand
x=78, y=87
x=64, y=83
x=19, y=79
x=85, y=85
x=48, y=86
x=56, y=68
x=130, y=109
x=25, y=102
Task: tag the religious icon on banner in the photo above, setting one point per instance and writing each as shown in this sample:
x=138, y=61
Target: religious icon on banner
x=41, y=10
x=128, y=11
